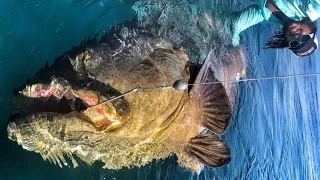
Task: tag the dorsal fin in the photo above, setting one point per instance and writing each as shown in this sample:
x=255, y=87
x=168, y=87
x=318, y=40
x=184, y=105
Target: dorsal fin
x=210, y=100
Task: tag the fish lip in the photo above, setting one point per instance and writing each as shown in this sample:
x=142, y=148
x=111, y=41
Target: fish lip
x=115, y=124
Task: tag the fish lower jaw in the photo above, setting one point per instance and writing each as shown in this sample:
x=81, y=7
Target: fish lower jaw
x=111, y=124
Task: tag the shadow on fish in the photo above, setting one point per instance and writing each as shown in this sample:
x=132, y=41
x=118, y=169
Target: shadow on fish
x=58, y=113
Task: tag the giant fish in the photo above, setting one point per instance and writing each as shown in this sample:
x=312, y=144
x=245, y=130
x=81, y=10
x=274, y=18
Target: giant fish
x=112, y=100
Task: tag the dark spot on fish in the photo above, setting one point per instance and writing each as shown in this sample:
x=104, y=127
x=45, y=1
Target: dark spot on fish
x=62, y=135
x=50, y=117
x=122, y=107
x=62, y=132
x=80, y=105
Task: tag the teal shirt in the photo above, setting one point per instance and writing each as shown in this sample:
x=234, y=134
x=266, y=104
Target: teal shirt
x=254, y=14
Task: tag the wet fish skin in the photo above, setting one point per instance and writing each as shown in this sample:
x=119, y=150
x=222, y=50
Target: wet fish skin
x=153, y=123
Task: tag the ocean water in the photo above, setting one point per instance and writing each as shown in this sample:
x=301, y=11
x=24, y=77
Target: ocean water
x=274, y=133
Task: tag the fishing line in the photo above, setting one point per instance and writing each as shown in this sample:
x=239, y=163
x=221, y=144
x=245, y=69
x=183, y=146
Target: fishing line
x=129, y=92
x=117, y=97
x=182, y=84
x=262, y=78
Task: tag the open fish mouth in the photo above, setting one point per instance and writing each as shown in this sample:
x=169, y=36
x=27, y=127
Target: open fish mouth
x=46, y=114
x=59, y=96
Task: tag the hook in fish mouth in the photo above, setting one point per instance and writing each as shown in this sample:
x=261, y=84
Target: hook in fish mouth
x=58, y=96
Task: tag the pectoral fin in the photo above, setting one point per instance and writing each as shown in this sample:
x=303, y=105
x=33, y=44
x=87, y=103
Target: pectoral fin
x=211, y=103
x=209, y=150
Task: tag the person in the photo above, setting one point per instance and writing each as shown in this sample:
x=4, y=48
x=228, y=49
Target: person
x=298, y=20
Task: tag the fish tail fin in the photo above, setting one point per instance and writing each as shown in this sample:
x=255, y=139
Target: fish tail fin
x=212, y=104
x=209, y=150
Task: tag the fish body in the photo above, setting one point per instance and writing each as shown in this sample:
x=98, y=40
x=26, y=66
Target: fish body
x=58, y=113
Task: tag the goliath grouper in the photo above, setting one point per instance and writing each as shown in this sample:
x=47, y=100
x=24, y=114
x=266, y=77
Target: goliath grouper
x=59, y=113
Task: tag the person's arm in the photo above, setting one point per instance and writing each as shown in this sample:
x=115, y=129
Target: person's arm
x=248, y=17
x=313, y=9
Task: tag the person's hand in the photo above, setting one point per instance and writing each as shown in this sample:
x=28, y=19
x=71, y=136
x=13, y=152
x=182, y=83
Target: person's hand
x=231, y=29
x=235, y=39
x=235, y=33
